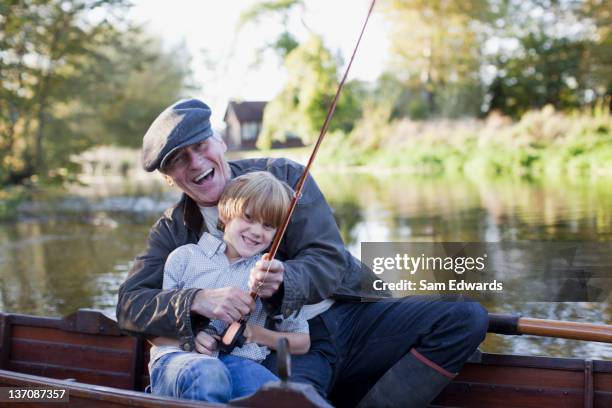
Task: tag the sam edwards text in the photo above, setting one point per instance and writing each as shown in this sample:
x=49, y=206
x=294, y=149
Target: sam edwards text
x=451, y=285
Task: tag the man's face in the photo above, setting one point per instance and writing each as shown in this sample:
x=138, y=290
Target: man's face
x=200, y=170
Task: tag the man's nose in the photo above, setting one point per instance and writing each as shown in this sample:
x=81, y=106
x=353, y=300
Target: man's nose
x=195, y=160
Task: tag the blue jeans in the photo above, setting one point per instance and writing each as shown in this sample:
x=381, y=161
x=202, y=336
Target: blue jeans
x=198, y=377
x=354, y=344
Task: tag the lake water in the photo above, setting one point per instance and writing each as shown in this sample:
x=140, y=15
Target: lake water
x=66, y=254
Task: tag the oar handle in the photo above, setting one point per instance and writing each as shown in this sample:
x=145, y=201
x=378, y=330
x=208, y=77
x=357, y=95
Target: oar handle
x=517, y=325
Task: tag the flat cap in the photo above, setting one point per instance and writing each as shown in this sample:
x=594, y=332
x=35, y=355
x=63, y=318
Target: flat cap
x=184, y=123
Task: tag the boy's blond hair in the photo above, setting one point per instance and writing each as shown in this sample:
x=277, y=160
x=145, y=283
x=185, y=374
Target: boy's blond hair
x=265, y=198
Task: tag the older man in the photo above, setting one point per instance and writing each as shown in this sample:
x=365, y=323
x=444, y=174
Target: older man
x=393, y=353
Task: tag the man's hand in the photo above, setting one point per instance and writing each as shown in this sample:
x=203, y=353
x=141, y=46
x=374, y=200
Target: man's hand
x=266, y=285
x=227, y=304
x=205, y=343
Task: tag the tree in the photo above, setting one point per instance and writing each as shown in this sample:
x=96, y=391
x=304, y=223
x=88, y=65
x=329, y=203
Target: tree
x=559, y=55
x=44, y=43
x=547, y=71
x=437, y=50
x=65, y=66
x=597, y=60
x=286, y=41
x=301, y=106
x=139, y=84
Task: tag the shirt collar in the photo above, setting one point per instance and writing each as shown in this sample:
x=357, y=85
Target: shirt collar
x=211, y=245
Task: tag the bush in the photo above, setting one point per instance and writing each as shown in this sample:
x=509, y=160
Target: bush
x=543, y=141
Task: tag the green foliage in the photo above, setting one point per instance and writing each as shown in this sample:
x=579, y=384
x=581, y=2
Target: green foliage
x=9, y=200
x=454, y=59
x=547, y=71
x=74, y=74
x=301, y=106
x=139, y=84
x=598, y=53
x=436, y=48
x=286, y=41
x=266, y=8
x=44, y=43
x=284, y=44
x=543, y=141
x=551, y=63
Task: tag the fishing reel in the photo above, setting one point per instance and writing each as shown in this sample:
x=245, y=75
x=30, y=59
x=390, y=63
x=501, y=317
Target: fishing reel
x=233, y=337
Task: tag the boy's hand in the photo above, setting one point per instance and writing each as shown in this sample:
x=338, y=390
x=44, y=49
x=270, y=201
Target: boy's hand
x=205, y=343
x=227, y=304
x=266, y=285
x=248, y=333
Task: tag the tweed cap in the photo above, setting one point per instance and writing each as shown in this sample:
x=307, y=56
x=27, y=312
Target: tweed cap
x=184, y=123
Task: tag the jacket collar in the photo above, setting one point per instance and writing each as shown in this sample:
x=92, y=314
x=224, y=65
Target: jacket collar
x=192, y=216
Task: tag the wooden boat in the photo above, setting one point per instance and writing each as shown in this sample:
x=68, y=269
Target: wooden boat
x=86, y=354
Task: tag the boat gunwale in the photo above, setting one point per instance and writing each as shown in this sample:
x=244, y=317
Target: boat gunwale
x=86, y=323
x=94, y=322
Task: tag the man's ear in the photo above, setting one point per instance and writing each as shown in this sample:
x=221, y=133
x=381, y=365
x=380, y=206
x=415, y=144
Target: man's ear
x=221, y=223
x=168, y=180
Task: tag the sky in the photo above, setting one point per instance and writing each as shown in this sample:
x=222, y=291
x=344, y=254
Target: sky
x=223, y=58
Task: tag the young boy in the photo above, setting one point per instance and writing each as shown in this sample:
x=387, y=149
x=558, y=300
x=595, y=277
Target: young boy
x=251, y=208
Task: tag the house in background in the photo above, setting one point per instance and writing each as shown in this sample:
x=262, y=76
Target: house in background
x=243, y=120
x=243, y=124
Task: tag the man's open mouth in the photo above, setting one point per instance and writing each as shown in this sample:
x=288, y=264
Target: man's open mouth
x=207, y=175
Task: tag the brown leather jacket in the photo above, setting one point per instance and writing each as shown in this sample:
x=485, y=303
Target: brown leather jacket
x=317, y=265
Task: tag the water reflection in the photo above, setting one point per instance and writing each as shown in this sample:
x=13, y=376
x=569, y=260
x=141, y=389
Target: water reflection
x=78, y=254
x=398, y=207
x=56, y=267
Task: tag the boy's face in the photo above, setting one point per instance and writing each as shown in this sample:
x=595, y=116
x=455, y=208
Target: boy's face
x=247, y=236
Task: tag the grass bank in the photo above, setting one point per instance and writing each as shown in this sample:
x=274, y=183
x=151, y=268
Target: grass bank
x=10, y=197
x=542, y=143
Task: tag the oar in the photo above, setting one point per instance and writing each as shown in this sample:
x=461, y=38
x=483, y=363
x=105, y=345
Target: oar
x=517, y=325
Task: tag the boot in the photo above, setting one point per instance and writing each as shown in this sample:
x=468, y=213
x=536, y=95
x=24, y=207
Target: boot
x=412, y=382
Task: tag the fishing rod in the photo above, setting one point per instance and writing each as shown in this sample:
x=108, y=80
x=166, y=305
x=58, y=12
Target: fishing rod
x=234, y=335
